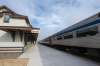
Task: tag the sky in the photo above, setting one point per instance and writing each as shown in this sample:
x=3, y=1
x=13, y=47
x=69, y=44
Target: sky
x=52, y=16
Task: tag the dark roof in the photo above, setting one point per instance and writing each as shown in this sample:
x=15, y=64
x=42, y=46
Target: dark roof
x=14, y=15
x=15, y=28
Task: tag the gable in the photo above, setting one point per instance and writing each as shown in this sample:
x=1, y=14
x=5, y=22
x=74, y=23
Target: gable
x=3, y=10
x=14, y=16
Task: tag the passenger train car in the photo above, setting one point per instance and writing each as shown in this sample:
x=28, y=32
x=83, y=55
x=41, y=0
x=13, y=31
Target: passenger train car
x=83, y=37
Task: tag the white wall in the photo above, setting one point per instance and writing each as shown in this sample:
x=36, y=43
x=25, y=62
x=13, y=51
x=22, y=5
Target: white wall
x=14, y=22
x=5, y=36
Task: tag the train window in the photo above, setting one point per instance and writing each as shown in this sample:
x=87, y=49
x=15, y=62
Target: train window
x=59, y=37
x=91, y=31
x=68, y=36
x=99, y=15
x=55, y=38
x=81, y=34
x=47, y=40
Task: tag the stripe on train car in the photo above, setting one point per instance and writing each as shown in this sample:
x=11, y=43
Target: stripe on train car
x=89, y=24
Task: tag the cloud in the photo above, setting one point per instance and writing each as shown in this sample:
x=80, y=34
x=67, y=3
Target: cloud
x=53, y=15
x=64, y=13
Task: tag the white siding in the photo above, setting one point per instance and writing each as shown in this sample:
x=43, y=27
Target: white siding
x=14, y=22
x=2, y=10
x=11, y=44
x=5, y=36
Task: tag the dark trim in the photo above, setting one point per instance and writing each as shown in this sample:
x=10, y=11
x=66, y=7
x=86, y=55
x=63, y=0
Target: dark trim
x=11, y=47
x=15, y=28
x=12, y=50
x=18, y=27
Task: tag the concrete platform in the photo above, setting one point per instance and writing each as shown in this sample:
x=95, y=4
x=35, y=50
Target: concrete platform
x=45, y=56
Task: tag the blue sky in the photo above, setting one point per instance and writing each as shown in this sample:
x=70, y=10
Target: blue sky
x=52, y=16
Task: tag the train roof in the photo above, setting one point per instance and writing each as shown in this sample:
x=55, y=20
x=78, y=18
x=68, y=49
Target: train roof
x=82, y=23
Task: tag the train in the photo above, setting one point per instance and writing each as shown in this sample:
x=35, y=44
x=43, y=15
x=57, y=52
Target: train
x=82, y=37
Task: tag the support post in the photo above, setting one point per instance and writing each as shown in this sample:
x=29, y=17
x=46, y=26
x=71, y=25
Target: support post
x=23, y=38
x=99, y=28
x=74, y=34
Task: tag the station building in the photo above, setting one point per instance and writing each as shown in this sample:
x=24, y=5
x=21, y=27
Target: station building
x=16, y=33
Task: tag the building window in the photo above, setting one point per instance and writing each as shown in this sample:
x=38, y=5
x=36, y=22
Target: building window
x=6, y=18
